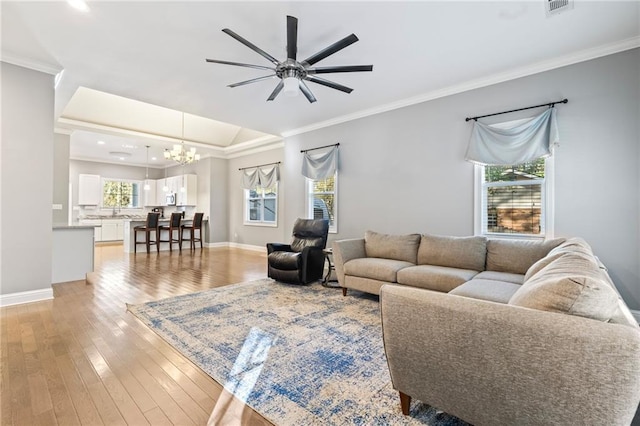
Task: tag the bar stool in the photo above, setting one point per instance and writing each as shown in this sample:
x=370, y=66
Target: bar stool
x=174, y=225
x=150, y=226
x=196, y=225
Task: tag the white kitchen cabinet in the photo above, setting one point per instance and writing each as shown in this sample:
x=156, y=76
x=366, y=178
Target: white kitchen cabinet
x=187, y=194
x=161, y=194
x=112, y=230
x=173, y=183
x=149, y=198
x=89, y=190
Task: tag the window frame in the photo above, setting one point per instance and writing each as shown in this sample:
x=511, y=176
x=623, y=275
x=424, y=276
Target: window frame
x=547, y=207
x=247, y=198
x=309, y=195
x=137, y=182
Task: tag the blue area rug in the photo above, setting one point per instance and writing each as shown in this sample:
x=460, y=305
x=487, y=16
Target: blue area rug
x=295, y=354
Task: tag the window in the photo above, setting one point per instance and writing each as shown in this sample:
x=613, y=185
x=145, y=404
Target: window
x=120, y=193
x=514, y=200
x=322, y=200
x=261, y=206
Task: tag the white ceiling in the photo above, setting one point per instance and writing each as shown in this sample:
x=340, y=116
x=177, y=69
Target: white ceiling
x=155, y=52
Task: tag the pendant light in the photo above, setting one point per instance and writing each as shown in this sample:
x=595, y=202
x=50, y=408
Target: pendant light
x=179, y=153
x=165, y=188
x=147, y=187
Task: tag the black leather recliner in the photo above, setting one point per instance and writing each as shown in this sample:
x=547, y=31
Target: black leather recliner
x=302, y=261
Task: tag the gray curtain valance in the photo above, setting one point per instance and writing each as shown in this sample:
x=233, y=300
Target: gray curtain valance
x=519, y=143
x=320, y=166
x=258, y=177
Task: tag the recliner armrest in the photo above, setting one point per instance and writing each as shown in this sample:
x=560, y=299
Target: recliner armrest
x=271, y=247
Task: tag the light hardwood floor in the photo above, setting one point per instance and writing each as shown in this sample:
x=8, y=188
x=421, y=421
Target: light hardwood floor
x=82, y=359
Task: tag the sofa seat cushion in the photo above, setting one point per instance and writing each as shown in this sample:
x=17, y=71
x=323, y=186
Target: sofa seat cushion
x=500, y=276
x=491, y=290
x=284, y=260
x=431, y=277
x=455, y=252
x=572, y=284
x=517, y=256
x=375, y=268
x=395, y=247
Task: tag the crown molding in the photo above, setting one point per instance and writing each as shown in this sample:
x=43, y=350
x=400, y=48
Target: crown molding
x=62, y=131
x=573, y=58
x=21, y=61
x=119, y=163
x=258, y=149
x=263, y=143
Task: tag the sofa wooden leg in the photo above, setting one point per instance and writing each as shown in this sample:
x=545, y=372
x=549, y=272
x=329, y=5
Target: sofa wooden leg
x=405, y=403
x=344, y=291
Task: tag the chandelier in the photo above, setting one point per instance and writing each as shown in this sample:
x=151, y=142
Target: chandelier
x=179, y=154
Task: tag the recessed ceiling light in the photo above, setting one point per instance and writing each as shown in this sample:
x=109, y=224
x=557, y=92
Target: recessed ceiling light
x=80, y=5
x=154, y=158
x=128, y=146
x=101, y=142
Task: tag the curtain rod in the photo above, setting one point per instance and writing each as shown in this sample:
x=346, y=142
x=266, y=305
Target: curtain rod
x=551, y=104
x=320, y=147
x=261, y=165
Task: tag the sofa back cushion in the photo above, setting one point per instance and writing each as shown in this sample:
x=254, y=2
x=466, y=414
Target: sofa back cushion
x=454, y=252
x=517, y=256
x=571, y=245
x=572, y=284
x=396, y=247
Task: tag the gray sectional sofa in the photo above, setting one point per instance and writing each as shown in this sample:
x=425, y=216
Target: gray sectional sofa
x=500, y=331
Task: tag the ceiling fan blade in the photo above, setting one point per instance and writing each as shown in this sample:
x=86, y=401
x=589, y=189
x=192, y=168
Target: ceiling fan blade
x=253, y=80
x=292, y=37
x=345, y=68
x=335, y=47
x=251, y=45
x=276, y=91
x=260, y=67
x=331, y=84
x=305, y=90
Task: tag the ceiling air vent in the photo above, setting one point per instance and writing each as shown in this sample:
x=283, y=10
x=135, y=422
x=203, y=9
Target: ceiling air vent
x=553, y=7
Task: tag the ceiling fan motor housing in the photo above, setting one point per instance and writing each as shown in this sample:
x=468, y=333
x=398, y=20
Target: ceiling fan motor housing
x=291, y=68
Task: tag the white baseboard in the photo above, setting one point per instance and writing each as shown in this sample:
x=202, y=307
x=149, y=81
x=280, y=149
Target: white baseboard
x=636, y=315
x=26, y=297
x=214, y=245
x=262, y=249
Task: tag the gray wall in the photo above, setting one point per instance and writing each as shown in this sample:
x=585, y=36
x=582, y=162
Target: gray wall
x=26, y=172
x=252, y=234
x=404, y=170
x=61, y=177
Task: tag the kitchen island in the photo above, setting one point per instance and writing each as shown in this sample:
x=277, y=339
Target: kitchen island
x=129, y=224
x=72, y=252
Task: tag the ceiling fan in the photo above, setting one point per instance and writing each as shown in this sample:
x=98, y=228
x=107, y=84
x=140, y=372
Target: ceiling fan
x=293, y=73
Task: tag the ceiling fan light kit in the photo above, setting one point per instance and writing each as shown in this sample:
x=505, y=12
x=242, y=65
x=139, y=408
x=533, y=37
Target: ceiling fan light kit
x=293, y=73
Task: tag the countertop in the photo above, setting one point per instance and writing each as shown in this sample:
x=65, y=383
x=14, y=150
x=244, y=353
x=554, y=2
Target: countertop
x=74, y=225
